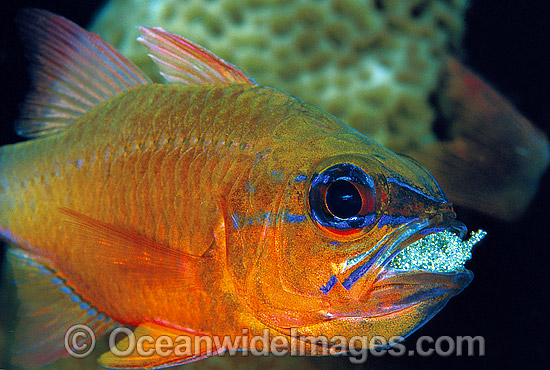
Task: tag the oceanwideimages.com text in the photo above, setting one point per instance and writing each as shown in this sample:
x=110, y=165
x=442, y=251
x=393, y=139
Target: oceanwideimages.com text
x=80, y=342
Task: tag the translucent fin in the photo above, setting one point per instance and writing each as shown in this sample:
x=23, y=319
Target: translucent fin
x=72, y=71
x=139, y=257
x=48, y=309
x=181, y=351
x=495, y=158
x=183, y=62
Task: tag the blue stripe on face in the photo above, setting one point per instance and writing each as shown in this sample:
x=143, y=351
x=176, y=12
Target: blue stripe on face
x=277, y=175
x=394, y=220
x=293, y=218
x=236, y=218
x=358, y=274
x=417, y=191
x=260, y=219
x=329, y=284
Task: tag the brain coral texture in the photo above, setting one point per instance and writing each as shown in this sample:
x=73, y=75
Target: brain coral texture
x=372, y=63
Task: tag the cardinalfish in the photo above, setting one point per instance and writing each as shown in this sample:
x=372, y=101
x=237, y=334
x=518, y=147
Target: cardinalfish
x=207, y=206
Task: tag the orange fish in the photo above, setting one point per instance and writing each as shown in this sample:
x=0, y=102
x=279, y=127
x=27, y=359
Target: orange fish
x=208, y=207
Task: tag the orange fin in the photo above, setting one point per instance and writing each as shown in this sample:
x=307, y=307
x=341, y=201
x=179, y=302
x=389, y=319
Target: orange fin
x=72, y=70
x=183, y=62
x=495, y=156
x=178, y=349
x=136, y=255
x=48, y=308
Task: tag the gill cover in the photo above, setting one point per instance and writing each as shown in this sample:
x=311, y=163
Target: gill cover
x=337, y=212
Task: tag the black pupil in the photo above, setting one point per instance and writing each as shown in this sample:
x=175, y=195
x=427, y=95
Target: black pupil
x=343, y=199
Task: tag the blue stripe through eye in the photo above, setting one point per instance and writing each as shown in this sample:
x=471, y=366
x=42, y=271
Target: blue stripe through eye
x=343, y=198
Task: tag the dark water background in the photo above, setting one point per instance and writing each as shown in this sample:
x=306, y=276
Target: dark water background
x=507, y=42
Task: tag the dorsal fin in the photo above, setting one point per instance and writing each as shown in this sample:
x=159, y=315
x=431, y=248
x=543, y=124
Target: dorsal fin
x=72, y=71
x=183, y=62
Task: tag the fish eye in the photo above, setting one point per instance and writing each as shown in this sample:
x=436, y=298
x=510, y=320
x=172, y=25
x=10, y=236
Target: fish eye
x=342, y=199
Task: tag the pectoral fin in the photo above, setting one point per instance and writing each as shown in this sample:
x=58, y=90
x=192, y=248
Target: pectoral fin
x=136, y=255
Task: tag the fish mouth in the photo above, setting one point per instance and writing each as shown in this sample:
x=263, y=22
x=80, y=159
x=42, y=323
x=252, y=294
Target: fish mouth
x=394, y=290
x=420, y=264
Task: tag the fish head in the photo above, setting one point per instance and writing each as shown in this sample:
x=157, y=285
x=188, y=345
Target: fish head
x=361, y=243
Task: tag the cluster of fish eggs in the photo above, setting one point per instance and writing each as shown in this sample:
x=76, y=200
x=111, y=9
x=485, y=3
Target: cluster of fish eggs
x=372, y=63
x=443, y=251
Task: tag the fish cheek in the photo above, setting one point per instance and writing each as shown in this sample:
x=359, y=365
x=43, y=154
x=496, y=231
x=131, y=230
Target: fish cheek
x=309, y=260
x=282, y=287
x=310, y=256
x=305, y=261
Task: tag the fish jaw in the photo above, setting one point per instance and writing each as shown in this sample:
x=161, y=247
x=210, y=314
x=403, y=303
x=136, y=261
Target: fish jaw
x=395, y=288
x=428, y=270
x=403, y=318
x=398, y=290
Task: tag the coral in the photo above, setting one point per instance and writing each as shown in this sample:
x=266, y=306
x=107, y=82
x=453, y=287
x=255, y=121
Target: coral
x=372, y=63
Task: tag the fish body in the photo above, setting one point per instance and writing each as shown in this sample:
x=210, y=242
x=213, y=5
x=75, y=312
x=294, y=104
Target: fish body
x=206, y=206
x=114, y=173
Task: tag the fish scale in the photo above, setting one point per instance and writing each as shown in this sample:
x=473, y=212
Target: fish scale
x=88, y=183
x=200, y=207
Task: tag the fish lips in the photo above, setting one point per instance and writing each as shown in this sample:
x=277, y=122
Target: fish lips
x=384, y=290
x=399, y=304
x=394, y=303
x=394, y=289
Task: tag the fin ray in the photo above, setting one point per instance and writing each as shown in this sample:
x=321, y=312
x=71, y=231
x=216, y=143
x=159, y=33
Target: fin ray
x=72, y=71
x=48, y=308
x=132, y=252
x=183, y=62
